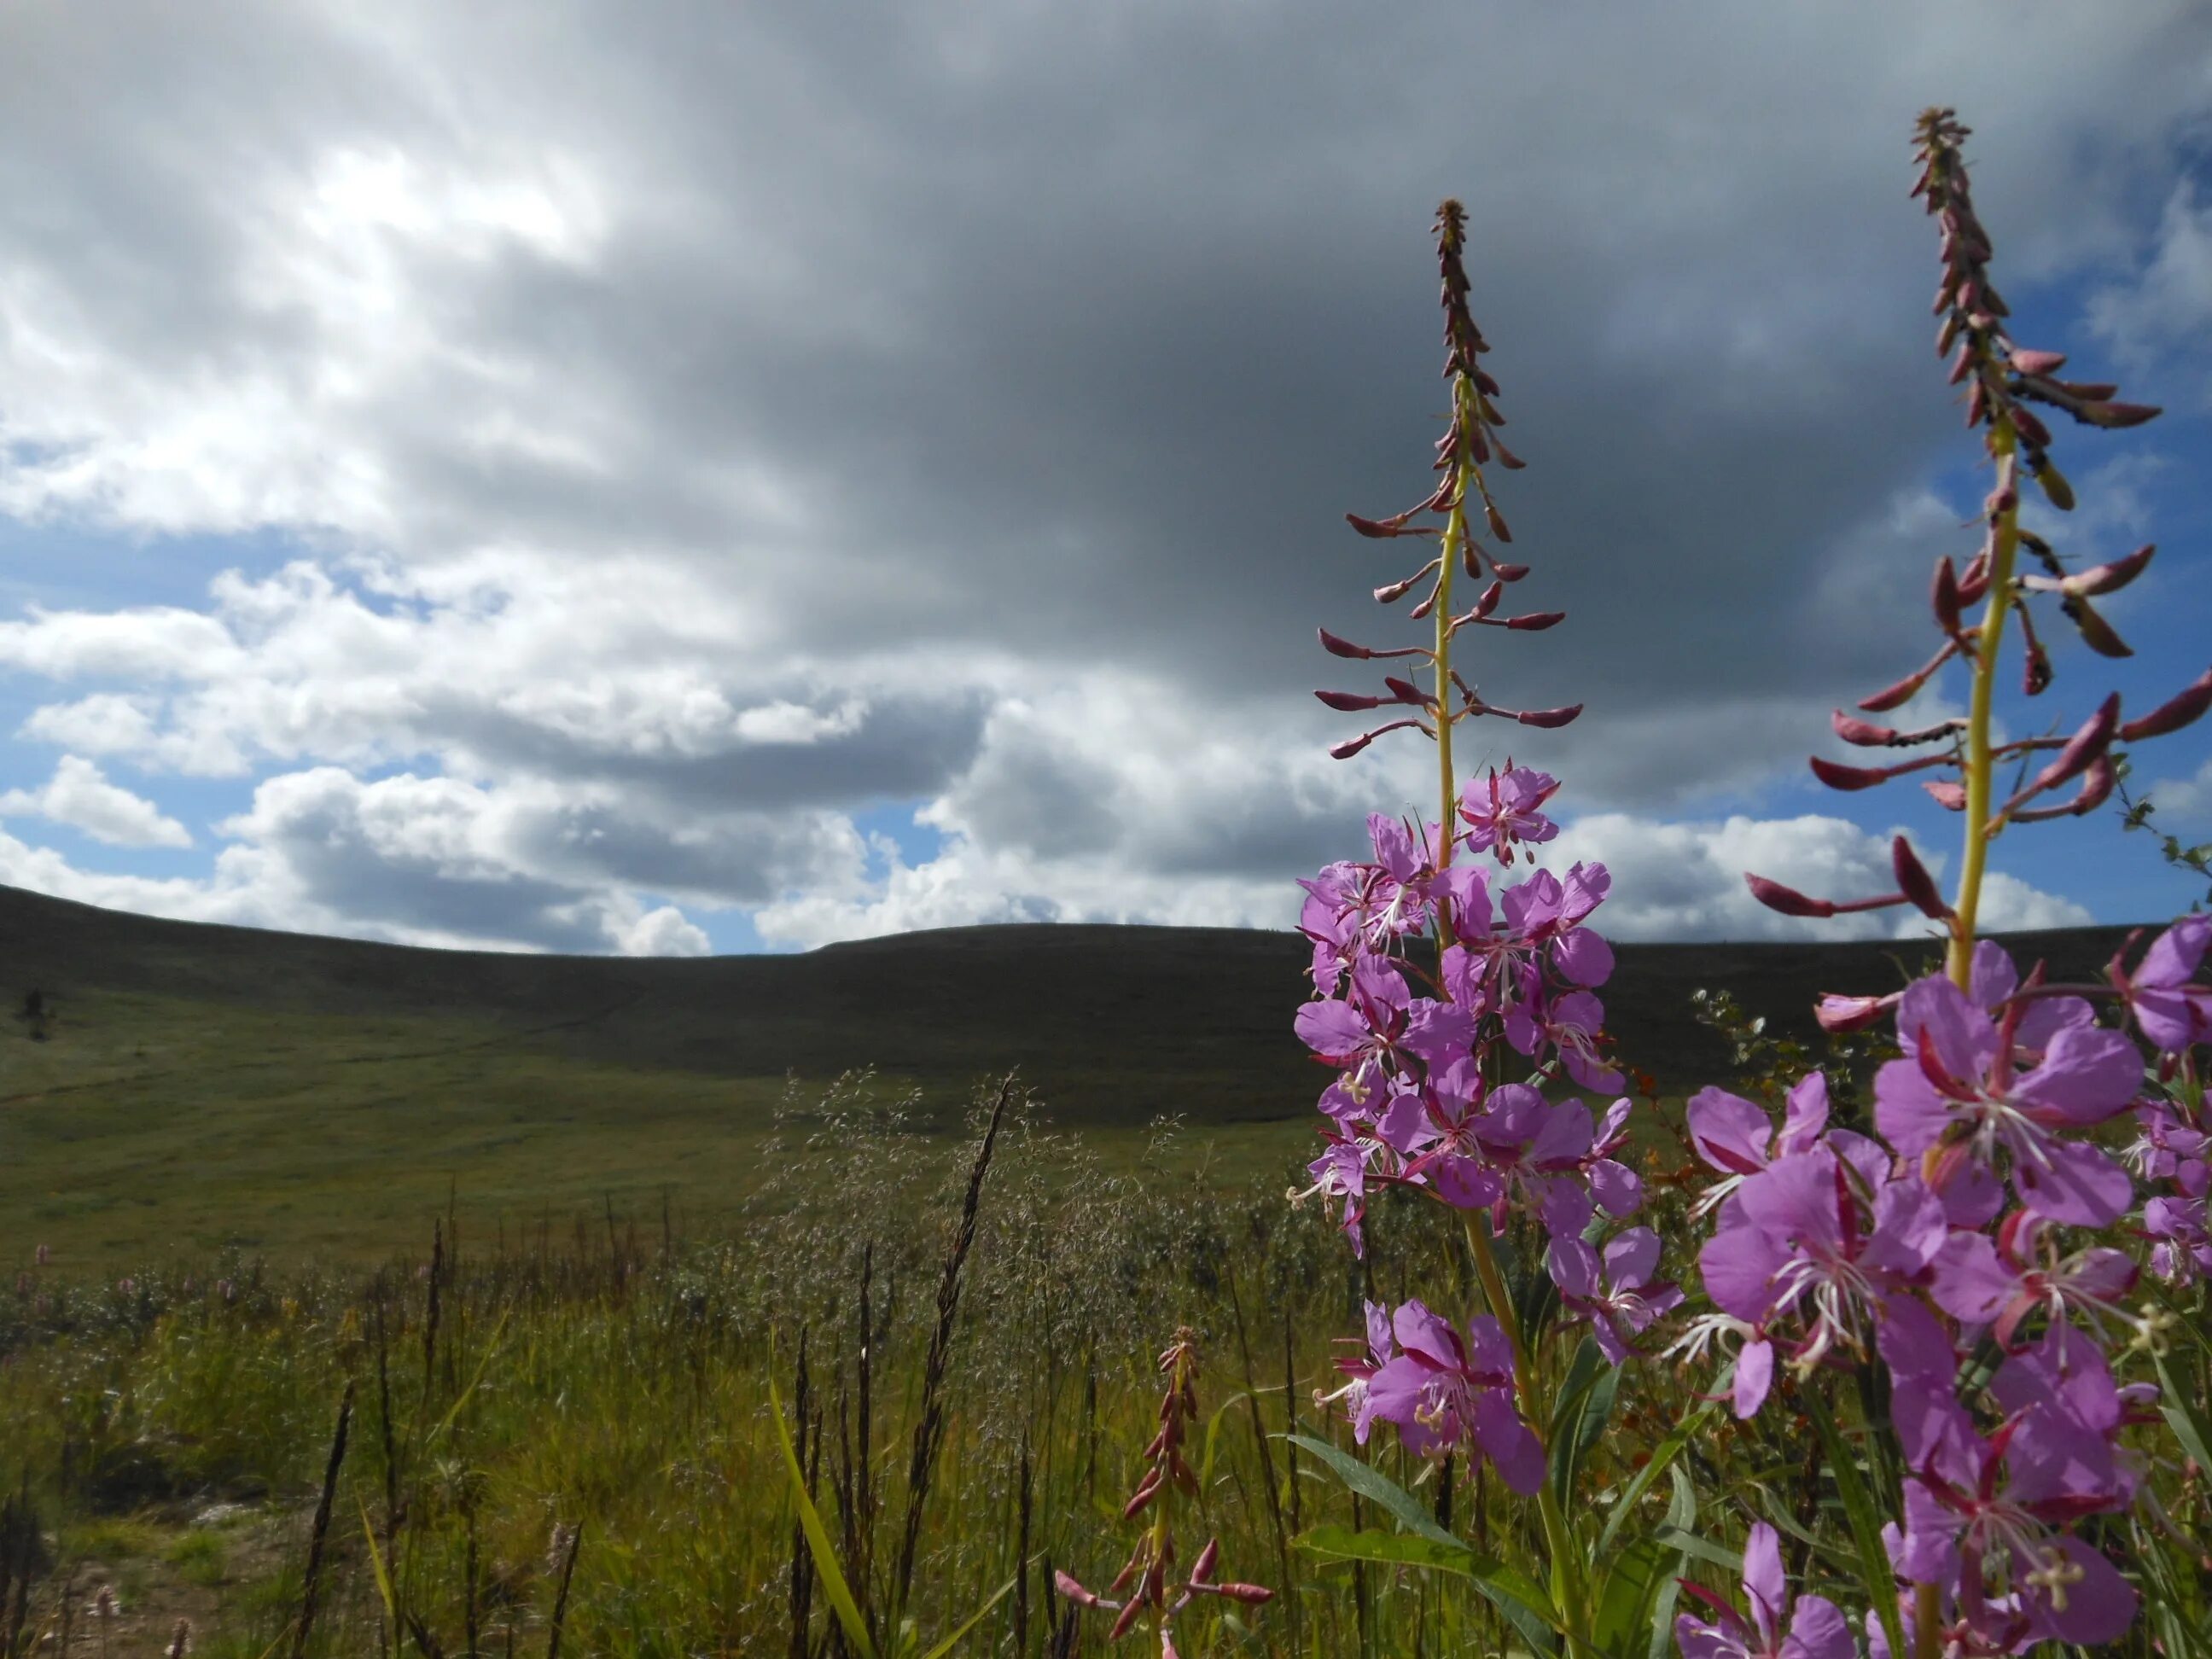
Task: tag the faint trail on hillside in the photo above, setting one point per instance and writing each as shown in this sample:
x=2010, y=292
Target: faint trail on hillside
x=343, y=1059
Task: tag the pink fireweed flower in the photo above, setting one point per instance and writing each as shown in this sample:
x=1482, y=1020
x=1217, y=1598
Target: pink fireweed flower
x=1958, y=1095
x=1382, y=1349
x=1618, y=1297
x=2171, y=1147
x=2000, y=1281
x=1523, y=1151
x=2181, y=1251
x=1568, y=1023
x=2170, y=1009
x=1812, y=1628
x=1341, y=1178
x=1737, y=1136
x=1822, y=1238
x=1443, y=1393
x=1983, y=1512
x=1501, y=810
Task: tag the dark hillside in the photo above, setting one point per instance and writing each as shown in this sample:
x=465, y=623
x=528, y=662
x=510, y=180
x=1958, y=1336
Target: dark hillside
x=1190, y=1019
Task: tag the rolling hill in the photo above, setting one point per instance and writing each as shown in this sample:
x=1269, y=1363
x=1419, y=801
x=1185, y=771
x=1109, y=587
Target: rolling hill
x=205, y=1084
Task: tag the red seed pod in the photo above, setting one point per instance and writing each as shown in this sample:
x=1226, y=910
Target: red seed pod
x=2110, y=578
x=1914, y=881
x=1406, y=692
x=1202, y=1569
x=1943, y=597
x=1349, y=702
x=1383, y=529
x=2104, y=413
x=1536, y=621
x=2176, y=712
x=1509, y=572
x=1549, y=718
x=2097, y=785
x=1849, y=777
x=1072, y=1590
x=1837, y=1012
x=1787, y=900
x=1864, y=734
x=1497, y=520
x=1491, y=596
x=2087, y=745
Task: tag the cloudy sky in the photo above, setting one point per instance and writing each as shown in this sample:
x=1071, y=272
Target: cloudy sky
x=684, y=476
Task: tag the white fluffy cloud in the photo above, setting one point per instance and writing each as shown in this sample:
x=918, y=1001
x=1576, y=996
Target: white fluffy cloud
x=685, y=442
x=80, y=796
x=2165, y=309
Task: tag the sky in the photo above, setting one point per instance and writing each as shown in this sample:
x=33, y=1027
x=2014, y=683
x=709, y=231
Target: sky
x=674, y=478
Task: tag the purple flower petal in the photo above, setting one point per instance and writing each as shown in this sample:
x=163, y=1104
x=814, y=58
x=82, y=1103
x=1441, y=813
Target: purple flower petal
x=1818, y=1630
x=2079, y=1185
x=1508, y=1443
x=1739, y=1264
x=1729, y=1132
x=1617, y=1187
x=1629, y=1259
x=1755, y=1376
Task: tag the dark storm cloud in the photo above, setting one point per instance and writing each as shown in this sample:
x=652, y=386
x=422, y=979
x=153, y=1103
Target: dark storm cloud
x=1044, y=342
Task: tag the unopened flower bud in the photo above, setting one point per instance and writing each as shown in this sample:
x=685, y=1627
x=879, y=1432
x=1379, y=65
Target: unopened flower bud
x=1548, y=718
x=2025, y=362
x=1914, y=881
x=1787, y=900
x=2116, y=414
x=2175, y=713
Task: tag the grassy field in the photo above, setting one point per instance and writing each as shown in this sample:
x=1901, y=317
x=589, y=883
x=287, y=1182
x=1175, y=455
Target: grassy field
x=560, y=1229
x=202, y=1089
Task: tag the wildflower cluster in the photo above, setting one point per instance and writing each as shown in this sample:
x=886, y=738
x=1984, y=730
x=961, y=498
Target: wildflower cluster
x=1963, y=1254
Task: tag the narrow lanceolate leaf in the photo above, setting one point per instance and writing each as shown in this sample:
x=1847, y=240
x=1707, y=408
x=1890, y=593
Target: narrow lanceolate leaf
x=1877, y=1579
x=1523, y=1601
x=974, y=1619
x=1661, y=1457
x=1376, y=1487
x=817, y=1535
x=2182, y=1416
x=1586, y=1401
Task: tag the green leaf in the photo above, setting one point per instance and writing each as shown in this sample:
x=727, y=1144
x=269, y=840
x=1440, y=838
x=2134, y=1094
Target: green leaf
x=1586, y=1401
x=974, y=1620
x=2182, y=1416
x=1513, y=1593
x=1682, y=1515
x=1376, y=1487
x=817, y=1535
x=1690, y=1543
x=1876, y=1576
x=1661, y=1457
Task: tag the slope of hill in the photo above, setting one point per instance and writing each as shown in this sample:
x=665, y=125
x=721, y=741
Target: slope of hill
x=207, y=1082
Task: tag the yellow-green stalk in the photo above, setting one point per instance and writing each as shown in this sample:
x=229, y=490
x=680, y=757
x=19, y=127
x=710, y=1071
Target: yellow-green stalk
x=2004, y=545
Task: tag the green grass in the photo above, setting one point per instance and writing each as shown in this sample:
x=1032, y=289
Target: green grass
x=205, y=1088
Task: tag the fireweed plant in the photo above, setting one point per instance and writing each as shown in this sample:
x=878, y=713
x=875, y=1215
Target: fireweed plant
x=1970, y=1278
x=1954, y=1259
x=1452, y=1011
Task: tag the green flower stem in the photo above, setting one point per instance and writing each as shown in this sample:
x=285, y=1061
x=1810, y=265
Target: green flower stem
x=2003, y=546
x=1566, y=1576
x=1451, y=542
